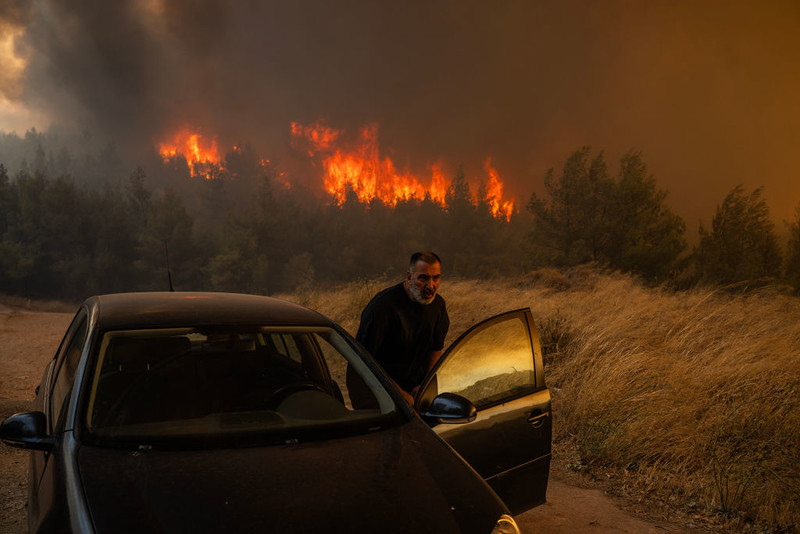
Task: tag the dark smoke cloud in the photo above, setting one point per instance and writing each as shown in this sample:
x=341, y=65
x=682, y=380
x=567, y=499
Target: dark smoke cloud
x=707, y=90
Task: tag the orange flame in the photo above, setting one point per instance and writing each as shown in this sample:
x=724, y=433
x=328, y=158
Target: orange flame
x=494, y=192
x=202, y=158
x=438, y=187
x=370, y=176
x=362, y=169
x=320, y=138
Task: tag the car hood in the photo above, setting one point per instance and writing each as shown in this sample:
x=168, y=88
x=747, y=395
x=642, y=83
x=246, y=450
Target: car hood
x=402, y=479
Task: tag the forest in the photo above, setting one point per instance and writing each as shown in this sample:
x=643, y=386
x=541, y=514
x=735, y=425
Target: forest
x=79, y=221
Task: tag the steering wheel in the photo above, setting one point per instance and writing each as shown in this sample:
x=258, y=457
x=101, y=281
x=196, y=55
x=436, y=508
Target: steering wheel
x=290, y=389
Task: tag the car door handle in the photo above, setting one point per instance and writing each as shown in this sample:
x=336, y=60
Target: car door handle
x=536, y=420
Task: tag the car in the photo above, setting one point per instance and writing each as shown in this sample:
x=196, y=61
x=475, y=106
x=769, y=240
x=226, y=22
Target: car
x=216, y=412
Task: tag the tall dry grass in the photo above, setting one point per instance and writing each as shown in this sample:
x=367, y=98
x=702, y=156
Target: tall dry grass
x=690, y=398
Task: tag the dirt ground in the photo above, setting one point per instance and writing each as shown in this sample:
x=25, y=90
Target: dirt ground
x=29, y=339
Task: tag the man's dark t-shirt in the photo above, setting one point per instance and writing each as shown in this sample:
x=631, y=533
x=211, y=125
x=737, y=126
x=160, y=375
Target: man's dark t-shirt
x=401, y=333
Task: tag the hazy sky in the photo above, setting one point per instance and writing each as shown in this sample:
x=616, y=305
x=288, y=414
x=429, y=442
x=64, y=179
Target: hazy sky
x=709, y=91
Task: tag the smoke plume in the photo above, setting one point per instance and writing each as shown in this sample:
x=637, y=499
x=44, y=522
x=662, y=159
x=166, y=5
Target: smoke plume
x=707, y=91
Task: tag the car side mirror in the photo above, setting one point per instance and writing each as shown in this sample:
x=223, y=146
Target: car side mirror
x=450, y=408
x=27, y=430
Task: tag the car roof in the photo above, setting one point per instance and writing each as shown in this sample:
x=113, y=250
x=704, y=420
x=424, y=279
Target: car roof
x=163, y=309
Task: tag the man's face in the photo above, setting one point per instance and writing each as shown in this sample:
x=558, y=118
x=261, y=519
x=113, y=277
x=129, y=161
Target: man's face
x=423, y=281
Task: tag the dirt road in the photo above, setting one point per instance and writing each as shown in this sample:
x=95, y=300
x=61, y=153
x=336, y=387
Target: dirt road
x=29, y=339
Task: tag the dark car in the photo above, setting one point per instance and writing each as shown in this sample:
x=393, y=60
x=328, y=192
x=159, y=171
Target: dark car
x=212, y=412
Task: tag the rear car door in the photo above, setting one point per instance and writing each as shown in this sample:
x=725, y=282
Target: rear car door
x=498, y=366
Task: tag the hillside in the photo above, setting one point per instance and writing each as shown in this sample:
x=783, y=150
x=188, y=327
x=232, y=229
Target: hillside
x=686, y=401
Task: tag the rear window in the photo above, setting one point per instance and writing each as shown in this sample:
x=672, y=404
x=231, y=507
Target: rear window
x=226, y=386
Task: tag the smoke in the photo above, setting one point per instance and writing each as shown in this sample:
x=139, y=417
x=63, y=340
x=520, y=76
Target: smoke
x=102, y=65
x=12, y=17
x=707, y=91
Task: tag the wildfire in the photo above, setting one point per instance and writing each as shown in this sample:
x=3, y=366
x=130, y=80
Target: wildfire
x=202, y=157
x=494, y=193
x=360, y=168
x=356, y=167
x=320, y=138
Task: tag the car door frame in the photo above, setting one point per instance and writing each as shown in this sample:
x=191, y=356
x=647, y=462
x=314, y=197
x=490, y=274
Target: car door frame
x=44, y=476
x=509, y=442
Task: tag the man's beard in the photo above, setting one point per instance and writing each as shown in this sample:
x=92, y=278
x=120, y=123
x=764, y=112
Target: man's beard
x=418, y=294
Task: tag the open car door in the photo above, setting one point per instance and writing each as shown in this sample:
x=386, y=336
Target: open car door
x=497, y=365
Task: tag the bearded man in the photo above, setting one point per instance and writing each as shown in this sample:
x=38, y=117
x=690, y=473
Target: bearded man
x=404, y=326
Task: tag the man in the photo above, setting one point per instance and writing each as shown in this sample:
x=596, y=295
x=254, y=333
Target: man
x=404, y=326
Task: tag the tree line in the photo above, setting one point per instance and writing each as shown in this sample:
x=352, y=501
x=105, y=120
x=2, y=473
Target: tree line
x=244, y=231
x=624, y=223
x=63, y=237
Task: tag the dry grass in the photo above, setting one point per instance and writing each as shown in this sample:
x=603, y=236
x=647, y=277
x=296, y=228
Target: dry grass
x=690, y=399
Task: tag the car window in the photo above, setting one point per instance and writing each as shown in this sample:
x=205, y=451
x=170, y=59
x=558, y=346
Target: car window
x=344, y=372
x=492, y=363
x=67, y=363
x=285, y=345
x=214, y=383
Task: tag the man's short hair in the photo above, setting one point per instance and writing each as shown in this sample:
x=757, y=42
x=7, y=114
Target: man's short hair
x=428, y=257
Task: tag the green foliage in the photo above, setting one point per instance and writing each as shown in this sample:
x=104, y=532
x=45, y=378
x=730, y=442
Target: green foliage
x=7, y=203
x=792, y=268
x=234, y=268
x=458, y=198
x=645, y=237
x=570, y=228
x=623, y=223
x=59, y=152
x=742, y=244
x=167, y=227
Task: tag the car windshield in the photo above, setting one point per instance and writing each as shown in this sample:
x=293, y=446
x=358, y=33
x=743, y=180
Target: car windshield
x=211, y=384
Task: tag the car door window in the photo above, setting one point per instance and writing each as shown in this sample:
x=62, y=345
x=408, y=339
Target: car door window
x=491, y=363
x=497, y=365
x=66, y=365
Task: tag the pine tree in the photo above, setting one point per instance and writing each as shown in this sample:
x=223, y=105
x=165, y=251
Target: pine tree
x=742, y=244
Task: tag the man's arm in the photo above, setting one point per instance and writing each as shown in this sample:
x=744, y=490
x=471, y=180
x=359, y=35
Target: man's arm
x=409, y=397
x=433, y=358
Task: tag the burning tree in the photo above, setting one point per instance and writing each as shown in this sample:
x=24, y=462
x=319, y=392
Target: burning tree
x=359, y=167
x=201, y=157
